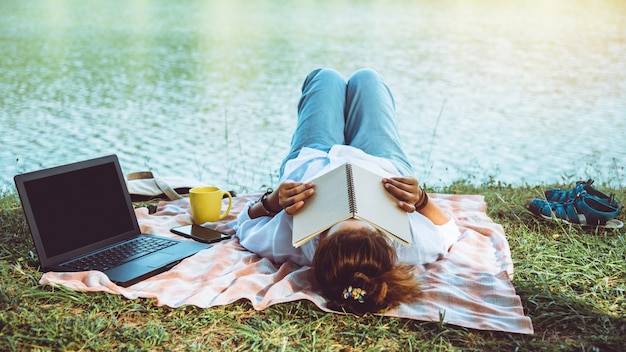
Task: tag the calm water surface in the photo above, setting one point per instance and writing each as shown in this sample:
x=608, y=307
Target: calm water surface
x=520, y=91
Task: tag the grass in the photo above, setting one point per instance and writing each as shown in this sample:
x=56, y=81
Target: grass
x=572, y=282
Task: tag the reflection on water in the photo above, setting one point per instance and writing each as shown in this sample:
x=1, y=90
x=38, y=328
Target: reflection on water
x=522, y=91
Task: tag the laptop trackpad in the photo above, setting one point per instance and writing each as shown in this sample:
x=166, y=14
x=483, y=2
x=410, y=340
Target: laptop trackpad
x=156, y=260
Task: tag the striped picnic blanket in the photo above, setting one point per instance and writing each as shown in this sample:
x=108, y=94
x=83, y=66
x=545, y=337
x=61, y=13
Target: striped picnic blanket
x=471, y=287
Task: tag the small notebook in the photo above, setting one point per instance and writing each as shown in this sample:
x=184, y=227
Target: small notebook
x=346, y=192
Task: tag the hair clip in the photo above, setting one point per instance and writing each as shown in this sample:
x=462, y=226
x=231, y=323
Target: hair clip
x=357, y=293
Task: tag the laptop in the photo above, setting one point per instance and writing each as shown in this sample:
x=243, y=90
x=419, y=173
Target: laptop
x=81, y=218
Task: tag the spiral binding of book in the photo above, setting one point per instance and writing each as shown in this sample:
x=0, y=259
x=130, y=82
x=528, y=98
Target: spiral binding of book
x=351, y=193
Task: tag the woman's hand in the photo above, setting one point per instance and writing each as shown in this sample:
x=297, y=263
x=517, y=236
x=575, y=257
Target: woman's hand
x=406, y=190
x=409, y=193
x=291, y=195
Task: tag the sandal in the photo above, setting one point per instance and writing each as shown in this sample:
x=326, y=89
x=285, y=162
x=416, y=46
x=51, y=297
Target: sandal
x=584, y=211
x=583, y=188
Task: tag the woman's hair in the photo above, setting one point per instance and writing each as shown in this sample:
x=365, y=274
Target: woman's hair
x=356, y=270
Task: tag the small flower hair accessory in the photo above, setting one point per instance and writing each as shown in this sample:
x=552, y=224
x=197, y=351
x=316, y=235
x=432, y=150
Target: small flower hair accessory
x=356, y=293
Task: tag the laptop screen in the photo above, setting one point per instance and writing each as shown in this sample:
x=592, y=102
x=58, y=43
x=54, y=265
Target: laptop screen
x=78, y=208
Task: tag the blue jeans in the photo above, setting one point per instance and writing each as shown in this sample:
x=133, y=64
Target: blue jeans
x=359, y=113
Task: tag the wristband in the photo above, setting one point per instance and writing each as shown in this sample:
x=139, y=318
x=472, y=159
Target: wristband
x=263, y=201
x=423, y=200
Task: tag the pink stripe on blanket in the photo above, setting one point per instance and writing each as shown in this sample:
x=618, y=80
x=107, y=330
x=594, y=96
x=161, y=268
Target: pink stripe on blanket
x=471, y=287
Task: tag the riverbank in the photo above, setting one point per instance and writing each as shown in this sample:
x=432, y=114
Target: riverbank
x=571, y=282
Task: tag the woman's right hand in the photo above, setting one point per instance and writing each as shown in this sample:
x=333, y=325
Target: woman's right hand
x=291, y=195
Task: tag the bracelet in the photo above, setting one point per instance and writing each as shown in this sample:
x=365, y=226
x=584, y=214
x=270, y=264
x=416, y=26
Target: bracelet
x=263, y=201
x=423, y=200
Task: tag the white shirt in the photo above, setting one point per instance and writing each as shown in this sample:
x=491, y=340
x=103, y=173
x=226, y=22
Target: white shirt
x=270, y=237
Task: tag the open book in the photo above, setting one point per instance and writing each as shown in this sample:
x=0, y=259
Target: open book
x=346, y=192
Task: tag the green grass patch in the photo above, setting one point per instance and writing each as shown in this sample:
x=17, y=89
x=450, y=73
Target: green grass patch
x=572, y=282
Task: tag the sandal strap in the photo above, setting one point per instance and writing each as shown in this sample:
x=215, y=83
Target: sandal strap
x=584, y=189
x=561, y=195
x=595, y=212
x=567, y=211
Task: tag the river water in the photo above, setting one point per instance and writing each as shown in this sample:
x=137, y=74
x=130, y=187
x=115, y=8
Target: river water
x=515, y=91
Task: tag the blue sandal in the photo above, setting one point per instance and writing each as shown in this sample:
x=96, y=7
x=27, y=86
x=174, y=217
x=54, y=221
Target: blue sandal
x=583, y=188
x=582, y=210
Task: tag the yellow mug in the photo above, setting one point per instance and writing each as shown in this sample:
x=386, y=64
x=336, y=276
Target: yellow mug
x=206, y=204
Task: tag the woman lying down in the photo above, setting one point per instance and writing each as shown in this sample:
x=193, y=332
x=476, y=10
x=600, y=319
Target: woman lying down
x=356, y=267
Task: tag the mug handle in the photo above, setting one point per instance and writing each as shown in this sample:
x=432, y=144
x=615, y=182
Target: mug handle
x=230, y=204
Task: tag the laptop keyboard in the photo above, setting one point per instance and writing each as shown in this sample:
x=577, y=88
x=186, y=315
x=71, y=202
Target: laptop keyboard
x=120, y=254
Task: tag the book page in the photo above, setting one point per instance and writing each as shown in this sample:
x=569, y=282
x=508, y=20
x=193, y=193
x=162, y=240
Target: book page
x=328, y=206
x=375, y=205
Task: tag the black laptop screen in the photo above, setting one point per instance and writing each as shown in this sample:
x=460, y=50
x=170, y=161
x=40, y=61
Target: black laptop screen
x=79, y=208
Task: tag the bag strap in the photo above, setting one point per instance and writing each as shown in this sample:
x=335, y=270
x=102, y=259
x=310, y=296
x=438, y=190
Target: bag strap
x=162, y=185
x=167, y=190
x=139, y=175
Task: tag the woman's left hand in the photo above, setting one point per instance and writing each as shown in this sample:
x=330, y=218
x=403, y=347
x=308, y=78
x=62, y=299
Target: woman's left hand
x=405, y=189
